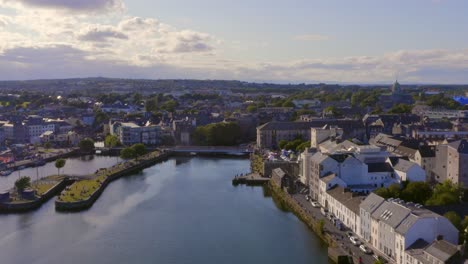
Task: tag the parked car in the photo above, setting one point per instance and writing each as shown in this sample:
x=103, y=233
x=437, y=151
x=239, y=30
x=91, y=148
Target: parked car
x=365, y=249
x=349, y=234
x=330, y=216
x=355, y=241
x=315, y=204
x=324, y=211
x=307, y=197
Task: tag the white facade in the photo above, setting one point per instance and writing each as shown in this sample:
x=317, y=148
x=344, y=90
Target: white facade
x=35, y=131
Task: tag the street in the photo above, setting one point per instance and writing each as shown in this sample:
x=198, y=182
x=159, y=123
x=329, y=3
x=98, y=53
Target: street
x=340, y=236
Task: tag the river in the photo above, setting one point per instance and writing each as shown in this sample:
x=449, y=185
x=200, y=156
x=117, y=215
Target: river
x=184, y=210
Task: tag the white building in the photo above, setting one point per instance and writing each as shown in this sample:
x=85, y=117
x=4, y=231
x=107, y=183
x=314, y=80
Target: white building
x=344, y=205
x=396, y=225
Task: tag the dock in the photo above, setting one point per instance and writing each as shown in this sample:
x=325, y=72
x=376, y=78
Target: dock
x=250, y=179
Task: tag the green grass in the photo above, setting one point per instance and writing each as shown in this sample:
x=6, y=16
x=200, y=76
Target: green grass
x=42, y=188
x=82, y=190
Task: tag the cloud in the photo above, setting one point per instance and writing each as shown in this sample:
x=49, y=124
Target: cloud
x=4, y=21
x=101, y=34
x=71, y=5
x=184, y=42
x=311, y=37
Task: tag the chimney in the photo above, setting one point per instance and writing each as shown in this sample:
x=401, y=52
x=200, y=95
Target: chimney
x=439, y=238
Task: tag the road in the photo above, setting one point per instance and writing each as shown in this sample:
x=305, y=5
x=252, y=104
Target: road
x=340, y=236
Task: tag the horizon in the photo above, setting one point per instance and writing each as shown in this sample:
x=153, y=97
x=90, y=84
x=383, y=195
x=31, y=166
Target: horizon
x=380, y=84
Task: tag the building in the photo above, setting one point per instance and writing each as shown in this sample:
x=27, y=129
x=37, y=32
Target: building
x=131, y=133
x=405, y=170
x=451, y=162
x=439, y=251
x=270, y=134
x=344, y=205
x=397, y=96
x=395, y=226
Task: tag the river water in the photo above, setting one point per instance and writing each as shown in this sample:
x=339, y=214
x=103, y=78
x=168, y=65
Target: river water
x=184, y=210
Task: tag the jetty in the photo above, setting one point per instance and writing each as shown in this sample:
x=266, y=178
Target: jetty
x=33, y=197
x=82, y=194
x=250, y=179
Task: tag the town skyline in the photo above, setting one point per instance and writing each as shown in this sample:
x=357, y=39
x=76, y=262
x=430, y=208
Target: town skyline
x=305, y=41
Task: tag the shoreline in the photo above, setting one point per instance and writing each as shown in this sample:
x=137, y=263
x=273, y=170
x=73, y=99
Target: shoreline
x=335, y=253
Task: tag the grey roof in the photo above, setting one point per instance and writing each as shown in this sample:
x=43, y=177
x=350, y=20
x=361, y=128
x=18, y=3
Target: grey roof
x=407, y=224
x=403, y=165
x=328, y=178
x=279, y=172
x=442, y=250
x=379, y=167
x=391, y=213
x=371, y=202
x=319, y=123
x=318, y=157
x=461, y=146
x=347, y=198
x=405, y=151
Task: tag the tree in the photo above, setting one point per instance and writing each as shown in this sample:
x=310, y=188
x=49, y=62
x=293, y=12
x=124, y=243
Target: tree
x=127, y=153
x=417, y=192
x=455, y=219
x=60, y=163
x=22, y=183
x=401, y=109
x=47, y=145
x=218, y=134
x=151, y=104
x=86, y=145
x=445, y=193
x=112, y=141
x=139, y=149
x=288, y=103
x=282, y=143
x=251, y=108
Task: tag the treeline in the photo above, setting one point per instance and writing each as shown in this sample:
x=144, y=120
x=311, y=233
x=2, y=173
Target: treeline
x=218, y=134
x=445, y=193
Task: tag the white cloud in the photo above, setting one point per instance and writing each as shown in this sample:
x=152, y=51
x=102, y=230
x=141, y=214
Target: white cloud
x=81, y=6
x=99, y=33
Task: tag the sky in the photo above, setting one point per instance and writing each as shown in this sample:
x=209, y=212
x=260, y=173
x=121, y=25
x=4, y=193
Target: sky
x=294, y=41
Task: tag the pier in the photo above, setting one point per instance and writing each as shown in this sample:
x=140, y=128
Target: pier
x=250, y=179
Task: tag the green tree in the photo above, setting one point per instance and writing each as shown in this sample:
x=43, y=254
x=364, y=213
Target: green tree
x=288, y=103
x=22, y=183
x=252, y=108
x=86, y=145
x=139, y=149
x=401, y=109
x=282, y=143
x=151, y=104
x=445, y=193
x=218, y=134
x=60, y=163
x=303, y=146
x=455, y=219
x=112, y=141
x=128, y=153
x=417, y=192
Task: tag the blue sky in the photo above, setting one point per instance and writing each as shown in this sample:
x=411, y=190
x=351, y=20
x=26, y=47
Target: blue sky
x=359, y=41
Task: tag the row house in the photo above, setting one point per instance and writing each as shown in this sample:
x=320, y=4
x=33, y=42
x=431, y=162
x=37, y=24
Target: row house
x=392, y=226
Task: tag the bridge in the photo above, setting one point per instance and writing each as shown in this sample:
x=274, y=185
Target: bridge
x=220, y=150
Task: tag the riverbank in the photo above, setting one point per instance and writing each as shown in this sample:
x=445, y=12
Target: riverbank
x=44, y=190
x=81, y=195
x=335, y=252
